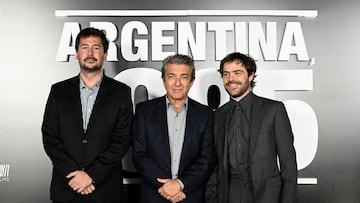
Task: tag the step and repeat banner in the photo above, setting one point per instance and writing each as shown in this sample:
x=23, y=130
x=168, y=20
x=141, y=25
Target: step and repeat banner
x=307, y=55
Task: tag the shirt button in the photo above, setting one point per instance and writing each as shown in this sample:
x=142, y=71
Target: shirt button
x=84, y=141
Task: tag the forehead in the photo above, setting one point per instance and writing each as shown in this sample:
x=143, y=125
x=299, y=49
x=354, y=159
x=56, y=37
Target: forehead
x=234, y=65
x=91, y=40
x=175, y=68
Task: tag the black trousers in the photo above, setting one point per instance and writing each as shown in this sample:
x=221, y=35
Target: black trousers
x=79, y=199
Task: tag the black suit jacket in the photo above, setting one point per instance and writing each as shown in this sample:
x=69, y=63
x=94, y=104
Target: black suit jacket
x=152, y=151
x=271, y=136
x=100, y=149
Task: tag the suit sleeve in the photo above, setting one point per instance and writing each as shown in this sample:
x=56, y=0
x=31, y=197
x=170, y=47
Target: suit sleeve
x=211, y=193
x=287, y=155
x=146, y=166
x=196, y=175
x=211, y=189
x=120, y=143
x=53, y=145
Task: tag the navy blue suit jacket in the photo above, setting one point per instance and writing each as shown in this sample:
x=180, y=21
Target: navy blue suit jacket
x=152, y=151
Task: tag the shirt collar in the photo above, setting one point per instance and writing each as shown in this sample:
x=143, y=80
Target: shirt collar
x=244, y=102
x=170, y=105
x=82, y=84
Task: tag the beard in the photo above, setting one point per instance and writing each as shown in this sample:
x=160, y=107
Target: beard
x=244, y=87
x=88, y=69
x=94, y=69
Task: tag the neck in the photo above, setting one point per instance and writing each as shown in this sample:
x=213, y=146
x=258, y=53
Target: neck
x=242, y=96
x=177, y=103
x=90, y=79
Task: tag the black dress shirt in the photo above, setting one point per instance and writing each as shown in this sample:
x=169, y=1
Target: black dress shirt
x=238, y=148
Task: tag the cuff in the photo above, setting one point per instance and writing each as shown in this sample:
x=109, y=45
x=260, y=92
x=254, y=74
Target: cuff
x=181, y=184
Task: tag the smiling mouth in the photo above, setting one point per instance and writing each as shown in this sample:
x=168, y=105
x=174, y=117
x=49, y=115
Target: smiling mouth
x=233, y=85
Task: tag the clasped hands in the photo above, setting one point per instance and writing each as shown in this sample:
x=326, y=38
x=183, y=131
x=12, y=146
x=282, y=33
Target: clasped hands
x=81, y=182
x=171, y=190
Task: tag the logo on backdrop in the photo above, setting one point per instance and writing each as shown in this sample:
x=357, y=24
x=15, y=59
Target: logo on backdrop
x=210, y=41
x=4, y=172
x=146, y=41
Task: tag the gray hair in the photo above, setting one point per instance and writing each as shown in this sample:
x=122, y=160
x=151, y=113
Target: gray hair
x=178, y=59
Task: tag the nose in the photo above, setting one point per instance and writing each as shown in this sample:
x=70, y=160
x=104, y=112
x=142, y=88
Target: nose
x=90, y=52
x=231, y=77
x=177, y=81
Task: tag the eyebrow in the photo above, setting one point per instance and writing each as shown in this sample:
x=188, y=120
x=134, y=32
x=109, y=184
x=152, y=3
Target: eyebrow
x=85, y=44
x=175, y=74
x=238, y=70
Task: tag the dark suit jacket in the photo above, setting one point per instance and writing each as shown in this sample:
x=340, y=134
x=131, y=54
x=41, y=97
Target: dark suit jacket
x=100, y=149
x=271, y=136
x=152, y=151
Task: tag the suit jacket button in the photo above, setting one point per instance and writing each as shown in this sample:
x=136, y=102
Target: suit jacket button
x=84, y=141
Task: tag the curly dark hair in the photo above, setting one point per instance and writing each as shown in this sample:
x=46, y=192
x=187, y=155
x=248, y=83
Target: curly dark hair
x=247, y=61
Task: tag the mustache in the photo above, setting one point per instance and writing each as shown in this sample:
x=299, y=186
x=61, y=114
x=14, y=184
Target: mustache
x=90, y=58
x=233, y=82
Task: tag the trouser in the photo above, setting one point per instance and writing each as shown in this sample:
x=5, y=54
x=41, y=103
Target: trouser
x=79, y=199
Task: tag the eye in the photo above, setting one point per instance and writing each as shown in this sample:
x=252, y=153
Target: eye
x=238, y=72
x=170, y=76
x=225, y=74
x=184, y=77
x=84, y=47
x=96, y=48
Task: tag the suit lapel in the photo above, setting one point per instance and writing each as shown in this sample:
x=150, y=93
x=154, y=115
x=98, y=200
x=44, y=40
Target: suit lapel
x=74, y=96
x=223, y=135
x=163, y=121
x=162, y=116
x=257, y=116
x=190, y=120
x=104, y=90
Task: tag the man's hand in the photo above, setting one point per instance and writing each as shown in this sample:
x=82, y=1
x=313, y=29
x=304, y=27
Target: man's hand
x=178, y=197
x=171, y=190
x=88, y=190
x=81, y=182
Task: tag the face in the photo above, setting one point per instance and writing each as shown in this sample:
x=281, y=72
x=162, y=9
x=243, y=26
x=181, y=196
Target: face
x=91, y=54
x=177, y=81
x=236, y=80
